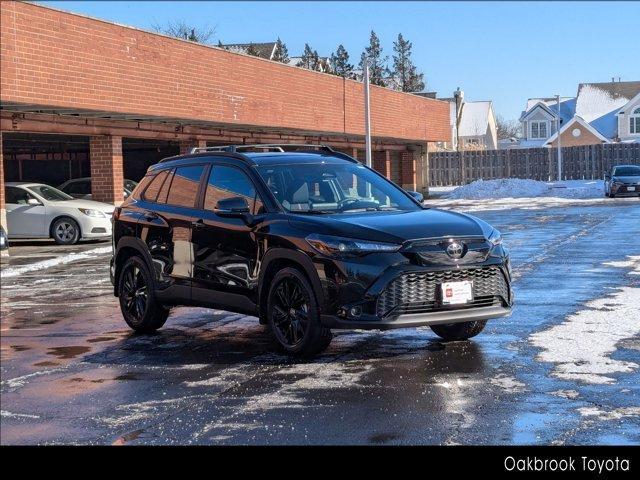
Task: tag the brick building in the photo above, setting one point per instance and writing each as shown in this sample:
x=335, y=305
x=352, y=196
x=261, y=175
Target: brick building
x=81, y=96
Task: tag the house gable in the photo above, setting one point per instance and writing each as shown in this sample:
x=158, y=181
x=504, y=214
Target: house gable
x=576, y=132
x=626, y=115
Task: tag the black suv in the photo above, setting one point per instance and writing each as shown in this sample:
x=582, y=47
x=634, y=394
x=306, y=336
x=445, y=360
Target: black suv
x=305, y=240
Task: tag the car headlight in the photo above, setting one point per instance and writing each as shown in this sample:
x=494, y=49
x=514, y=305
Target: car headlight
x=495, y=237
x=90, y=212
x=329, y=245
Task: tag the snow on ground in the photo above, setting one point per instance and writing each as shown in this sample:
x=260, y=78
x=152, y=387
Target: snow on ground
x=508, y=193
x=524, y=188
x=582, y=345
x=52, y=262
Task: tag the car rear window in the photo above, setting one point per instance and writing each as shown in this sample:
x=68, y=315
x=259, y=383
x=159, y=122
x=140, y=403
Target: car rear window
x=184, y=186
x=151, y=192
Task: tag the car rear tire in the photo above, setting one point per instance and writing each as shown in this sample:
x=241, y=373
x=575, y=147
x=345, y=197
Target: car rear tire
x=139, y=306
x=459, y=331
x=293, y=315
x=65, y=231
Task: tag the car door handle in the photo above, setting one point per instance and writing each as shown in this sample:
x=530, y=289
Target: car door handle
x=198, y=223
x=150, y=216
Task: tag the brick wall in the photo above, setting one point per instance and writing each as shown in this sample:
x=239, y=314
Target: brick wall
x=408, y=170
x=567, y=139
x=105, y=154
x=65, y=60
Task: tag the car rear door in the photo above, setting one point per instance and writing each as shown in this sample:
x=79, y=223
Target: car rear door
x=167, y=212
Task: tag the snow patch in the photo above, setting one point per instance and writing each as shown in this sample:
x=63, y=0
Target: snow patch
x=570, y=394
x=582, y=345
x=508, y=384
x=4, y=413
x=524, y=188
x=616, y=414
x=71, y=257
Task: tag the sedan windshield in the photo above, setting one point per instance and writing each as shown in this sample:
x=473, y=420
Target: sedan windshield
x=626, y=171
x=49, y=193
x=333, y=188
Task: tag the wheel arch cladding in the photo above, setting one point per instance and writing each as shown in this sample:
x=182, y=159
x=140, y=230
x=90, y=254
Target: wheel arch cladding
x=275, y=260
x=131, y=247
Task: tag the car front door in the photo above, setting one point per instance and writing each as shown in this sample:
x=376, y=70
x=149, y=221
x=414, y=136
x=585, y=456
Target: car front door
x=26, y=214
x=225, y=240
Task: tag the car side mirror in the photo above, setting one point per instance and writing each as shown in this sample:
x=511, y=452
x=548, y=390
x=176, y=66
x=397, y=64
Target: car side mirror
x=417, y=196
x=33, y=201
x=607, y=176
x=233, y=207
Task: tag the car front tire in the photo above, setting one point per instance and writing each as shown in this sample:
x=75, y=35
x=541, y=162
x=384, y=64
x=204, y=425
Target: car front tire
x=65, y=231
x=293, y=315
x=459, y=331
x=139, y=306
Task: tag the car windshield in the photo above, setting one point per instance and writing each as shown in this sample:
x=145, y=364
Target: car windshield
x=320, y=188
x=626, y=171
x=49, y=193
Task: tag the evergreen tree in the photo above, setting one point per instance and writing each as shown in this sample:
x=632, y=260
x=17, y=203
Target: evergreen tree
x=377, y=63
x=281, y=54
x=309, y=59
x=405, y=73
x=339, y=63
x=252, y=50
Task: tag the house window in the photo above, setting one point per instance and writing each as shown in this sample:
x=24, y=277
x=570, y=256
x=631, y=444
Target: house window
x=634, y=122
x=539, y=130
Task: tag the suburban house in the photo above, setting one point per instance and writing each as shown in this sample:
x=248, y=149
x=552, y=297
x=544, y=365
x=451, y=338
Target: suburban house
x=266, y=50
x=599, y=113
x=473, y=124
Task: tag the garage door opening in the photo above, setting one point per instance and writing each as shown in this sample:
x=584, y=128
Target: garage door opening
x=138, y=155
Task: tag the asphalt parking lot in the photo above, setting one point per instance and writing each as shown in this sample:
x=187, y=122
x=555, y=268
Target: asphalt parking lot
x=563, y=369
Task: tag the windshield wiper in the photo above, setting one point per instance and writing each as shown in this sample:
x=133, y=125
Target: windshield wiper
x=312, y=212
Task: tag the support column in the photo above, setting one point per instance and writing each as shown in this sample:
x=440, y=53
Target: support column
x=107, y=178
x=387, y=164
x=408, y=169
x=187, y=145
x=354, y=153
x=3, y=211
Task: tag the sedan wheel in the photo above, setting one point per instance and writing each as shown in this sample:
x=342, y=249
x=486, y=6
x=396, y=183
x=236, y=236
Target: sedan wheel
x=65, y=231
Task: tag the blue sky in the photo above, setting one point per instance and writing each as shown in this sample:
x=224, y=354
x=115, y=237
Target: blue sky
x=500, y=51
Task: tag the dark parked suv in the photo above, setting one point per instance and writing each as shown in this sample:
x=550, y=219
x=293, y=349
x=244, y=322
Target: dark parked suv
x=308, y=241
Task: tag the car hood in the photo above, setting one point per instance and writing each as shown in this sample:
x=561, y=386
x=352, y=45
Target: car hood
x=626, y=178
x=393, y=226
x=82, y=203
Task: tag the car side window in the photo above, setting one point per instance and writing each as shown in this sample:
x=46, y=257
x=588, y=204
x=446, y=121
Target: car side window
x=225, y=182
x=79, y=188
x=16, y=196
x=164, y=191
x=184, y=186
x=151, y=192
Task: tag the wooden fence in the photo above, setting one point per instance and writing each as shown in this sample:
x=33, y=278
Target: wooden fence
x=587, y=162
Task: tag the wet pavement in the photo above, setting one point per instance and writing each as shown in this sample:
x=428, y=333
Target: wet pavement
x=559, y=370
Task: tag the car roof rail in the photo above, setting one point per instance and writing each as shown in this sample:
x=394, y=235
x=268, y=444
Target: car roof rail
x=275, y=147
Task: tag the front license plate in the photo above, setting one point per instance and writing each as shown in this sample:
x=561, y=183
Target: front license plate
x=631, y=189
x=455, y=293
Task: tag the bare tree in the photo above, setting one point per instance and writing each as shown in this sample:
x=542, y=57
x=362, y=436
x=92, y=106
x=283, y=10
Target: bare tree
x=181, y=29
x=507, y=128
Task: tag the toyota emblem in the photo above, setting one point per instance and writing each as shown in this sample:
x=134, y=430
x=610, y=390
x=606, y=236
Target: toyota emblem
x=455, y=250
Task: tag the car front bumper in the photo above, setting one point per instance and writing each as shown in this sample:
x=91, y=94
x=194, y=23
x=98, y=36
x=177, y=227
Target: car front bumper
x=94, y=227
x=412, y=320
x=623, y=189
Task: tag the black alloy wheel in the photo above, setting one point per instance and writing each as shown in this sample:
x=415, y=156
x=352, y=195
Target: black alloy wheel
x=140, y=309
x=293, y=314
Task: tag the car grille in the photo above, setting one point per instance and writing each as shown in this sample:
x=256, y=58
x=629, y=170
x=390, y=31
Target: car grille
x=418, y=292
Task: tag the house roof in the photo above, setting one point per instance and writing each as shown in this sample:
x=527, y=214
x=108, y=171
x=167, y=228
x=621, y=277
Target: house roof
x=265, y=50
x=475, y=119
x=567, y=107
x=598, y=103
x=631, y=102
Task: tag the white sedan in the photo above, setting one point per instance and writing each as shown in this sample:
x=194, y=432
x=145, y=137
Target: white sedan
x=35, y=210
